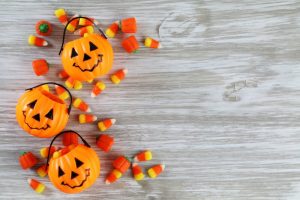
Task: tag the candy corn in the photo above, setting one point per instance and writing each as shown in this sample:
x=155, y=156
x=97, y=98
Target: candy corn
x=37, y=41
x=118, y=76
x=70, y=138
x=137, y=172
x=86, y=29
x=72, y=83
x=61, y=92
x=73, y=24
x=45, y=151
x=42, y=171
x=143, y=156
x=86, y=118
x=105, y=142
x=43, y=28
x=113, y=176
x=40, y=67
x=27, y=160
x=61, y=15
x=63, y=74
x=106, y=124
x=122, y=164
x=112, y=30
x=36, y=185
x=151, y=43
x=128, y=25
x=98, y=88
x=81, y=105
x=45, y=87
x=85, y=22
x=154, y=171
x=130, y=44
x=56, y=154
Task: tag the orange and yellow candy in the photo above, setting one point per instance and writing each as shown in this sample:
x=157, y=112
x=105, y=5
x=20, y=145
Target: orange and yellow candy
x=37, y=41
x=118, y=76
x=40, y=67
x=61, y=92
x=106, y=124
x=112, y=30
x=63, y=74
x=86, y=29
x=72, y=83
x=98, y=88
x=85, y=22
x=154, y=171
x=61, y=16
x=128, y=25
x=151, y=43
x=73, y=24
x=113, y=176
x=81, y=105
x=45, y=151
x=143, y=156
x=36, y=185
x=86, y=118
x=137, y=172
x=42, y=170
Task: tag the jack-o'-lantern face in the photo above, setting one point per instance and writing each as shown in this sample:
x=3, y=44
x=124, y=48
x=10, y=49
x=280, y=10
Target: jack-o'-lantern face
x=76, y=170
x=87, y=58
x=41, y=113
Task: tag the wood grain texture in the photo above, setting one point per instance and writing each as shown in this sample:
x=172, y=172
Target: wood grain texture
x=218, y=104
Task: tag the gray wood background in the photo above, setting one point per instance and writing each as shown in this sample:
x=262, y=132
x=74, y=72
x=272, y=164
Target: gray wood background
x=219, y=104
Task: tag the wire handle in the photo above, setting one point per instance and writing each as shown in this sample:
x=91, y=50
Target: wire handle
x=71, y=98
x=61, y=133
x=63, y=40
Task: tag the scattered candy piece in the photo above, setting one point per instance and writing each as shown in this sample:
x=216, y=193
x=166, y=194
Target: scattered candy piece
x=130, y=44
x=113, y=176
x=118, y=76
x=37, y=41
x=63, y=74
x=43, y=28
x=86, y=29
x=85, y=22
x=81, y=105
x=128, y=25
x=27, y=160
x=56, y=154
x=137, y=172
x=151, y=43
x=45, y=151
x=42, y=170
x=105, y=142
x=98, y=88
x=61, y=15
x=70, y=138
x=106, y=124
x=36, y=185
x=40, y=67
x=86, y=118
x=154, y=171
x=143, y=156
x=122, y=164
x=61, y=92
x=112, y=30
x=73, y=24
x=72, y=83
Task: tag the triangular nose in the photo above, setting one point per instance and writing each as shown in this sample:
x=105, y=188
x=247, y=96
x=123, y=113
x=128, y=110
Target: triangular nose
x=36, y=117
x=86, y=57
x=73, y=175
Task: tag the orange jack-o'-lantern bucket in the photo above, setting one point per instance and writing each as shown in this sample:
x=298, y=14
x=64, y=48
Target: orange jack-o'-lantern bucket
x=75, y=170
x=42, y=113
x=88, y=57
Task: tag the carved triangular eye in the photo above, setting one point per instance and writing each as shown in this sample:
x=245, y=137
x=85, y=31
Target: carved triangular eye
x=73, y=175
x=60, y=172
x=78, y=162
x=50, y=114
x=92, y=47
x=32, y=104
x=74, y=53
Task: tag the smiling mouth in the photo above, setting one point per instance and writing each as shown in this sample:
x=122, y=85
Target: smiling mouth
x=43, y=128
x=94, y=66
x=87, y=174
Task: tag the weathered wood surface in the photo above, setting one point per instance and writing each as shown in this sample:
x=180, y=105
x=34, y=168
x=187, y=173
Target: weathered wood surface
x=219, y=104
